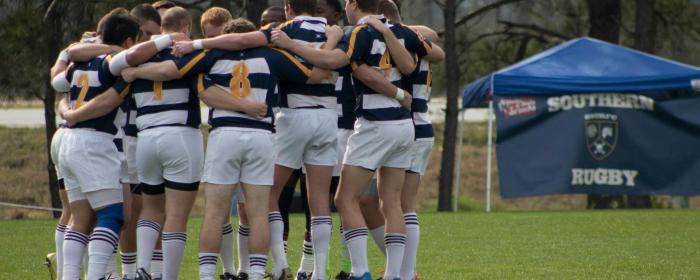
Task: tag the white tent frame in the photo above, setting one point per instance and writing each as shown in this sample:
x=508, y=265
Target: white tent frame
x=458, y=166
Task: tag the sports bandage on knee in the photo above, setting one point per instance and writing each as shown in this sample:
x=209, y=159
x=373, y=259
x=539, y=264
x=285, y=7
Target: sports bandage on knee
x=118, y=63
x=111, y=217
x=163, y=42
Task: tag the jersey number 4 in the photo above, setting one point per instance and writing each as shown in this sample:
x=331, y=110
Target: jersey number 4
x=240, y=85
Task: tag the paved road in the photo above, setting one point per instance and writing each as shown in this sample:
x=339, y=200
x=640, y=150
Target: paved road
x=34, y=117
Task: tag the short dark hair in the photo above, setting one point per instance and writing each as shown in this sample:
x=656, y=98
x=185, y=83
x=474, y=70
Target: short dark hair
x=302, y=6
x=145, y=12
x=336, y=5
x=118, y=28
x=115, y=11
x=163, y=5
x=369, y=6
x=239, y=25
x=389, y=9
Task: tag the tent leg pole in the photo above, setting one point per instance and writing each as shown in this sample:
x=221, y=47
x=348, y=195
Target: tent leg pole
x=488, y=157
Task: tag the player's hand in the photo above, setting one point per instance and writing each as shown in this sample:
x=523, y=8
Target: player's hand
x=334, y=33
x=69, y=117
x=378, y=25
x=280, y=39
x=257, y=110
x=182, y=48
x=177, y=37
x=129, y=74
x=407, y=100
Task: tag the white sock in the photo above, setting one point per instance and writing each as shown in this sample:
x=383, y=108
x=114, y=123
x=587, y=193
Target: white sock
x=74, y=244
x=227, y=248
x=157, y=264
x=279, y=258
x=395, y=246
x=357, y=245
x=207, y=266
x=243, y=264
x=58, y=238
x=321, y=238
x=113, y=265
x=128, y=264
x=408, y=266
x=147, y=233
x=378, y=237
x=173, y=249
x=258, y=262
x=103, y=241
x=307, y=258
x=86, y=264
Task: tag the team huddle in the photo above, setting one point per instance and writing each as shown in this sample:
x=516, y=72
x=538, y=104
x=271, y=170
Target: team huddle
x=345, y=110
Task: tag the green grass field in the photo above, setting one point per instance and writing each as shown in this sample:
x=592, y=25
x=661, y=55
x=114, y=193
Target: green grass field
x=655, y=244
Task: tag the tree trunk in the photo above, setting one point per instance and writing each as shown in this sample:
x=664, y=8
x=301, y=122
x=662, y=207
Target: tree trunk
x=604, y=17
x=450, y=134
x=53, y=34
x=254, y=9
x=644, y=40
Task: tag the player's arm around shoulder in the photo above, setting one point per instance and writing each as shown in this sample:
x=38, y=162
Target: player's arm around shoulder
x=99, y=106
x=323, y=58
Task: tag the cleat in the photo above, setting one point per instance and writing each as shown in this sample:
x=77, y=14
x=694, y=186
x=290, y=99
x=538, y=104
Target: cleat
x=286, y=275
x=366, y=276
x=126, y=278
x=342, y=275
x=51, y=265
x=303, y=276
x=228, y=276
x=242, y=276
x=141, y=274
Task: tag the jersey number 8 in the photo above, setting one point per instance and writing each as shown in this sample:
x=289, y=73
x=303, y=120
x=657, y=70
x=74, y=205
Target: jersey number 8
x=240, y=85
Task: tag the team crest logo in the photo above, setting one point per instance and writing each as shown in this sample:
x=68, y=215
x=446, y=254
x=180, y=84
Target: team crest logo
x=601, y=134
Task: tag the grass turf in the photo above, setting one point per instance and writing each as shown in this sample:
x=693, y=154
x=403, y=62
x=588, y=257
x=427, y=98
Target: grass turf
x=655, y=244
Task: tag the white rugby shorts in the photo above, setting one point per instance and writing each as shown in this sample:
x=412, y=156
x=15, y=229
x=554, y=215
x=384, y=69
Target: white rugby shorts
x=306, y=136
x=239, y=155
x=170, y=153
x=375, y=144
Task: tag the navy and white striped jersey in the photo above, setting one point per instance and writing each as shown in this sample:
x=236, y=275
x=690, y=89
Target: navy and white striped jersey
x=346, y=99
x=169, y=103
x=87, y=81
x=311, y=31
x=420, y=84
x=365, y=45
x=252, y=74
x=129, y=109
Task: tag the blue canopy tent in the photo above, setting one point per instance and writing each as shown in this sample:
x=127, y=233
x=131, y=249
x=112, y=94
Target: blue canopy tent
x=583, y=65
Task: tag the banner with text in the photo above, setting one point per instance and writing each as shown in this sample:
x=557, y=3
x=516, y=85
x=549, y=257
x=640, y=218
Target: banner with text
x=599, y=143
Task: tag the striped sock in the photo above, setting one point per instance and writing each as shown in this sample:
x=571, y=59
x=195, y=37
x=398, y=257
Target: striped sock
x=307, y=258
x=227, y=247
x=74, y=244
x=321, y=238
x=408, y=266
x=357, y=245
x=157, y=264
x=243, y=265
x=345, y=264
x=279, y=258
x=58, y=238
x=128, y=264
x=103, y=243
x=147, y=233
x=258, y=262
x=395, y=246
x=207, y=265
x=173, y=249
